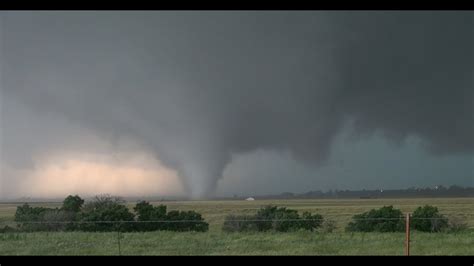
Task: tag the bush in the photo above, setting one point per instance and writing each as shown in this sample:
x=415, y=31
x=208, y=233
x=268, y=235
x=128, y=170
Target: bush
x=106, y=213
x=278, y=219
x=428, y=219
x=311, y=222
x=43, y=219
x=173, y=220
x=25, y=213
x=185, y=221
x=385, y=219
x=147, y=212
x=30, y=218
x=272, y=218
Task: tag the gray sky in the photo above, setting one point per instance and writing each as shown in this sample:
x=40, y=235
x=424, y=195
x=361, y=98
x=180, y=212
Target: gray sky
x=221, y=103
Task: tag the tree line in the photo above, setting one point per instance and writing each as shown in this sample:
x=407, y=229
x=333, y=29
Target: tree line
x=106, y=213
x=413, y=192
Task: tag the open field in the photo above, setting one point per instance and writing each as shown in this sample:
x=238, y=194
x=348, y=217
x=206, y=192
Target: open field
x=217, y=242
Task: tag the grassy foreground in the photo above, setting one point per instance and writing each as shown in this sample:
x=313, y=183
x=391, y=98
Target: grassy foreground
x=188, y=243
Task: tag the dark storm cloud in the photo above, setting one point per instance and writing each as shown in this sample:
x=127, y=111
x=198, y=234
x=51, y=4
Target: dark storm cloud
x=199, y=87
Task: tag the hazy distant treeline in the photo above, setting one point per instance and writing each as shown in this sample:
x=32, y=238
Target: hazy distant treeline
x=438, y=191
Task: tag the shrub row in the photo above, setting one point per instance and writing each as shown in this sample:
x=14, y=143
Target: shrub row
x=388, y=219
x=106, y=213
x=272, y=218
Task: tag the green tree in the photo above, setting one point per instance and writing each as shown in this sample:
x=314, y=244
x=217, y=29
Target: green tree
x=106, y=213
x=428, y=219
x=72, y=204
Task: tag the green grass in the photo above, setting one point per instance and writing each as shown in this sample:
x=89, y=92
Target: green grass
x=215, y=242
x=190, y=243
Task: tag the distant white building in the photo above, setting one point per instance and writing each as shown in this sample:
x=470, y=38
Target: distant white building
x=249, y=199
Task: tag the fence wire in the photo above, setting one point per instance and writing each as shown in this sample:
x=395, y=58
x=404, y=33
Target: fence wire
x=132, y=242
x=229, y=220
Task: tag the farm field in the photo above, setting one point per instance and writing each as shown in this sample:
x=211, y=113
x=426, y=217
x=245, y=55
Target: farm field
x=216, y=242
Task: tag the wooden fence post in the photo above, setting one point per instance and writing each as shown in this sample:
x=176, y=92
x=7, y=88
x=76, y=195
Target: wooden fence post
x=407, y=235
